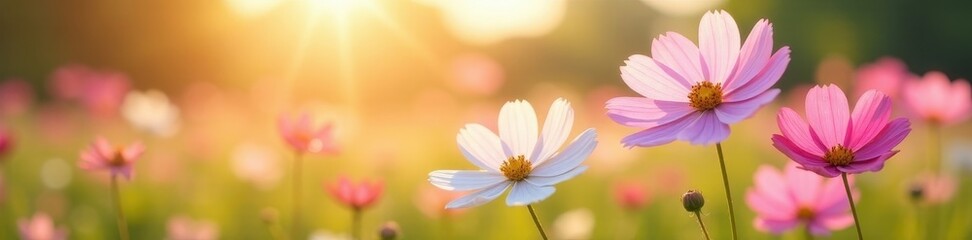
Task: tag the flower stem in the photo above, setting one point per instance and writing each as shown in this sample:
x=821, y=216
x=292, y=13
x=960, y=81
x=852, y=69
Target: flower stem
x=119, y=215
x=935, y=132
x=725, y=182
x=536, y=221
x=699, y=217
x=356, y=224
x=295, y=209
x=850, y=199
x=275, y=232
x=806, y=233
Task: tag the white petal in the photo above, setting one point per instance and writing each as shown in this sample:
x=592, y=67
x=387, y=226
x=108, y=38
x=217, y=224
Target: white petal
x=459, y=180
x=550, y=181
x=570, y=158
x=481, y=147
x=524, y=193
x=518, y=128
x=479, y=197
x=556, y=127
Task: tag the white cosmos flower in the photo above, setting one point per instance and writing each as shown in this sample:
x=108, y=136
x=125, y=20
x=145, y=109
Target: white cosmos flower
x=518, y=158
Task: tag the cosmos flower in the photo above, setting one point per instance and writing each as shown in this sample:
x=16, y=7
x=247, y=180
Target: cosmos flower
x=933, y=99
x=631, y=196
x=693, y=93
x=151, y=111
x=183, y=228
x=936, y=189
x=885, y=75
x=101, y=93
x=356, y=196
x=6, y=143
x=783, y=200
x=839, y=141
x=518, y=158
x=306, y=138
x=40, y=227
x=118, y=160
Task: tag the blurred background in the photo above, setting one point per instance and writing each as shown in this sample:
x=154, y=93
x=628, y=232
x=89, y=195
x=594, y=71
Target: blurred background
x=202, y=84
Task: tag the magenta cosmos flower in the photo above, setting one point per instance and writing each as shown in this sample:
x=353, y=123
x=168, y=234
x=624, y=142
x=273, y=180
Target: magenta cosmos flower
x=693, y=93
x=783, y=200
x=933, y=99
x=357, y=196
x=839, y=141
x=116, y=159
x=40, y=227
x=304, y=137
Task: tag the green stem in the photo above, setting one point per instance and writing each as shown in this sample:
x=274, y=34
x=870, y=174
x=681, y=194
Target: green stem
x=275, y=232
x=935, y=138
x=295, y=209
x=119, y=215
x=850, y=199
x=536, y=221
x=806, y=233
x=356, y=224
x=699, y=217
x=725, y=182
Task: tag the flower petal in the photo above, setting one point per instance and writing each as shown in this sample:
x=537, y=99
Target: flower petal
x=479, y=197
x=706, y=130
x=524, y=193
x=518, y=128
x=887, y=139
x=873, y=165
x=660, y=134
x=753, y=56
x=774, y=226
x=766, y=78
x=647, y=77
x=871, y=114
x=556, y=127
x=804, y=185
x=836, y=222
x=806, y=160
x=719, y=45
x=572, y=156
x=681, y=55
x=133, y=151
x=770, y=188
x=733, y=112
x=645, y=112
x=828, y=115
x=794, y=128
x=550, y=181
x=767, y=208
x=960, y=102
x=464, y=180
x=833, y=197
x=481, y=147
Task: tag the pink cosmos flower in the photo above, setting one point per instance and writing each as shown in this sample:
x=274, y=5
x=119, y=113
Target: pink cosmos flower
x=431, y=201
x=356, y=196
x=40, y=227
x=6, y=143
x=839, y=141
x=16, y=96
x=101, y=93
x=306, y=138
x=783, y=200
x=631, y=196
x=116, y=159
x=693, y=93
x=933, y=99
x=937, y=189
x=885, y=75
x=183, y=228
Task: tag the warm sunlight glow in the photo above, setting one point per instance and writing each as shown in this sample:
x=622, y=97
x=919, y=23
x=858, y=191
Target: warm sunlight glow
x=252, y=8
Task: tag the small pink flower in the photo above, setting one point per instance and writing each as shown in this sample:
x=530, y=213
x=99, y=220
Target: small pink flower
x=116, y=159
x=839, y=141
x=40, y=227
x=693, y=93
x=6, y=143
x=937, y=189
x=306, y=138
x=933, y=99
x=101, y=93
x=885, y=75
x=183, y=228
x=782, y=200
x=356, y=196
x=431, y=201
x=477, y=74
x=16, y=96
x=631, y=196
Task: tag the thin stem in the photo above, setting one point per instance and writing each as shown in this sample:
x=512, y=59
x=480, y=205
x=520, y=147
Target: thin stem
x=119, y=215
x=935, y=132
x=699, y=217
x=806, y=233
x=850, y=199
x=918, y=222
x=295, y=209
x=725, y=182
x=356, y=224
x=536, y=221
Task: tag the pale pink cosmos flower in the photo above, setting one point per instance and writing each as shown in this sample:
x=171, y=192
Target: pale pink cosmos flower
x=357, y=196
x=16, y=96
x=631, y=196
x=839, y=141
x=885, y=75
x=304, y=137
x=937, y=189
x=693, y=93
x=40, y=227
x=118, y=160
x=933, y=99
x=783, y=200
x=183, y=228
x=101, y=93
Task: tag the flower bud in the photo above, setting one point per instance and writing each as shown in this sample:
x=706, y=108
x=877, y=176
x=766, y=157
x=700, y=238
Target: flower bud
x=693, y=201
x=389, y=231
x=916, y=192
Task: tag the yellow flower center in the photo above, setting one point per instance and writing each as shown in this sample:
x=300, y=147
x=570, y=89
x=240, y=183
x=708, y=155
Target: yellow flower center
x=839, y=156
x=705, y=96
x=118, y=159
x=805, y=213
x=516, y=168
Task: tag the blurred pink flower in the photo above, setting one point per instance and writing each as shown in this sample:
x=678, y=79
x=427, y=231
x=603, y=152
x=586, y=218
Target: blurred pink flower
x=885, y=75
x=356, y=196
x=16, y=97
x=306, y=138
x=40, y=227
x=431, y=201
x=782, y=200
x=937, y=189
x=477, y=74
x=183, y=228
x=693, y=93
x=837, y=141
x=116, y=159
x=101, y=93
x=6, y=143
x=632, y=196
x=934, y=100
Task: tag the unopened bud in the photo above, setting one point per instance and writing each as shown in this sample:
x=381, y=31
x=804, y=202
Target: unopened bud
x=916, y=192
x=389, y=231
x=693, y=201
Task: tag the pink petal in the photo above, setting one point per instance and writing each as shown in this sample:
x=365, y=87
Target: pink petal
x=104, y=148
x=680, y=54
x=733, y=112
x=835, y=222
x=645, y=112
x=828, y=114
x=133, y=151
x=774, y=226
x=817, y=229
x=766, y=78
x=649, y=78
x=804, y=185
x=719, y=45
x=887, y=139
x=660, y=134
x=806, y=160
x=772, y=188
x=706, y=130
x=794, y=128
x=754, y=55
x=869, y=117
x=766, y=207
x=873, y=165
x=960, y=102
